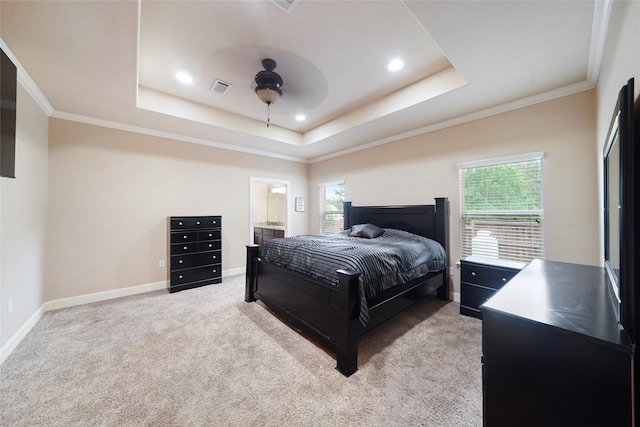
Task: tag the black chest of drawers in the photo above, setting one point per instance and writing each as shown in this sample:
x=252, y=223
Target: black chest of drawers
x=480, y=279
x=195, y=251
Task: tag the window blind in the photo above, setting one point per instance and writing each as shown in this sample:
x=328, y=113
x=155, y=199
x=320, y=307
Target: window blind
x=501, y=211
x=331, y=207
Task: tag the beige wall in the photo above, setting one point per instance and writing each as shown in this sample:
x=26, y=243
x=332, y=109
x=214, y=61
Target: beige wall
x=111, y=192
x=621, y=61
x=23, y=221
x=416, y=170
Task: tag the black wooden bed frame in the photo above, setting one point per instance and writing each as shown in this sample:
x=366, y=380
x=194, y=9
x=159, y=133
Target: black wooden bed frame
x=329, y=314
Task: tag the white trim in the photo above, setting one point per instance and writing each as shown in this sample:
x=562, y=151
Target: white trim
x=169, y=135
x=599, y=26
x=13, y=342
x=456, y=296
x=27, y=82
x=57, y=304
x=234, y=272
x=103, y=296
x=326, y=184
x=482, y=114
x=500, y=160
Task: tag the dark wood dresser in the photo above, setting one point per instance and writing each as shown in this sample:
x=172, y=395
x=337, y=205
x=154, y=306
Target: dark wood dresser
x=554, y=353
x=481, y=278
x=195, y=251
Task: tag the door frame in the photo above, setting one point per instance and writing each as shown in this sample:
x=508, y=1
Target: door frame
x=287, y=184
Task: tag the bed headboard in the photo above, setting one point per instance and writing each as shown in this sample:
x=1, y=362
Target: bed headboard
x=430, y=221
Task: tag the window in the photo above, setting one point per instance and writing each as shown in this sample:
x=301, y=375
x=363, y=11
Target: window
x=331, y=208
x=501, y=213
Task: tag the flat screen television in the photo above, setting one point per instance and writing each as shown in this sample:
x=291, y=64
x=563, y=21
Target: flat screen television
x=621, y=186
x=8, y=87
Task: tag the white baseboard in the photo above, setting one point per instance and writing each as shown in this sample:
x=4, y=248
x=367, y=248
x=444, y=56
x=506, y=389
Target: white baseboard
x=102, y=296
x=13, y=342
x=456, y=296
x=234, y=272
x=57, y=304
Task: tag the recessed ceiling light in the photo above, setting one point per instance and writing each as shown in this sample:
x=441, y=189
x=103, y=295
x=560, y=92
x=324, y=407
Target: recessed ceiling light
x=184, y=78
x=395, y=65
x=301, y=117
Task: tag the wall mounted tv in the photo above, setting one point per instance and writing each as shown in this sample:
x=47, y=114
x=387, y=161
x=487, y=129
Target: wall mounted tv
x=8, y=86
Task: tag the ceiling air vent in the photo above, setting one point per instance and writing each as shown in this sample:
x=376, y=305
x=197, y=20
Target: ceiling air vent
x=285, y=5
x=220, y=87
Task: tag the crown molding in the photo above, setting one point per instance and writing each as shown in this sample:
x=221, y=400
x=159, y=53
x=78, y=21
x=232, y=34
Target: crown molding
x=27, y=82
x=599, y=27
x=500, y=109
x=168, y=135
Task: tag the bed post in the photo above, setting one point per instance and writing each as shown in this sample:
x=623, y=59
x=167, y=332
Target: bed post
x=251, y=276
x=442, y=236
x=348, y=322
x=346, y=211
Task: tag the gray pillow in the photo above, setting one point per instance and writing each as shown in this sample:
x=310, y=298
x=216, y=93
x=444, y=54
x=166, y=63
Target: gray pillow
x=368, y=231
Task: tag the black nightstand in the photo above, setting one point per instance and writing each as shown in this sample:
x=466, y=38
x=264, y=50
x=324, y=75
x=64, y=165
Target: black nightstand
x=481, y=278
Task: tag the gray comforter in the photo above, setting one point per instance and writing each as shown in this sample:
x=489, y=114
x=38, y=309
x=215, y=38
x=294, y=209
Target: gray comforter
x=395, y=257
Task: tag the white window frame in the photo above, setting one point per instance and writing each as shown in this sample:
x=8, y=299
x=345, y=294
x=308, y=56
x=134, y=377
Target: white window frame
x=496, y=234
x=322, y=213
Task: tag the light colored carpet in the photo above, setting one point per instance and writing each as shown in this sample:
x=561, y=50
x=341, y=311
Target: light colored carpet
x=204, y=357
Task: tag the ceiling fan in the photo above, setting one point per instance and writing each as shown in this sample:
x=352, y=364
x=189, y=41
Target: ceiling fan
x=269, y=84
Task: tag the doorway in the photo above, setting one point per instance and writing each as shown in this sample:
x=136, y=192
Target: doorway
x=269, y=216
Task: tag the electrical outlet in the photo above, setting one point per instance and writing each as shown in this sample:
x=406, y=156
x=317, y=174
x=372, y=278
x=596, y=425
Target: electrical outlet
x=10, y=306
x=161, y=263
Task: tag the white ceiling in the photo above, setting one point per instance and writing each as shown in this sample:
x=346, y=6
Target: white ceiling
x=114, y=63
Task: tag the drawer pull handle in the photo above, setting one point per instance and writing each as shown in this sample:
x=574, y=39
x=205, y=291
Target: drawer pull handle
x=214, y=271
x=210, y=235
x=184, y=237
x=180, y=262
x=214, y=257
x=198, y=222
x=180, y=223
x=180, y=277
x=504, y=279
x=185, y=248
x=214, y=222
x=473, y=273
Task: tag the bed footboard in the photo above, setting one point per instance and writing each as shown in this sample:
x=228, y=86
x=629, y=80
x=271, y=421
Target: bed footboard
x=298, y=301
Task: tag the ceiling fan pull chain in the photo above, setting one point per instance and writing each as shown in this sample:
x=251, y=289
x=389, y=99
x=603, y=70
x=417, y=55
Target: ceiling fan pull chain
x=268, y=118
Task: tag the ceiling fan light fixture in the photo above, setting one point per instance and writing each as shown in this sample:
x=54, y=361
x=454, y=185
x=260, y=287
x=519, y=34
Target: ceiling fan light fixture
x=268, y=95
x=268, y=84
